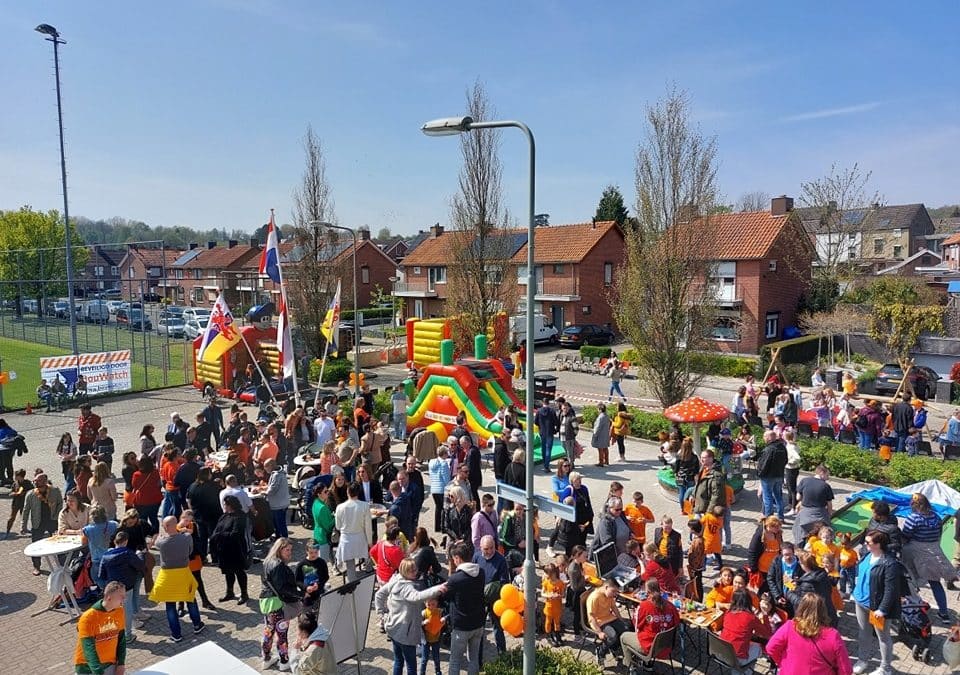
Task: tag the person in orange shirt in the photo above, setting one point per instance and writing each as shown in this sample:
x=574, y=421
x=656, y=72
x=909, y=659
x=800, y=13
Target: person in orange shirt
x=433, y=621
x=267, y=449
x=552, y=589
x=822, y=545
x=101, y=640
x=719, y=596
x=848, y=564
x=170, y=463
x=638, y=515
x=712, y=528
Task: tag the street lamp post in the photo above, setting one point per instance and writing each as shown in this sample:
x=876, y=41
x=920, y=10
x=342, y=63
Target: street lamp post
x=449, y=127
x=54, y=36
x=356, y=309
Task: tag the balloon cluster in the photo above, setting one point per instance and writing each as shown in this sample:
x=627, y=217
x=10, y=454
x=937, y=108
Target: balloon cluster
x=510, y=610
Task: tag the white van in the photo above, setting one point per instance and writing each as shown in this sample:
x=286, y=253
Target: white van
x=95, y=311
x=543, y=330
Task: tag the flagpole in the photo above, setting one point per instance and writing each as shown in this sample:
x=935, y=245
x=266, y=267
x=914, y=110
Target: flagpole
x=323, y=364
x=283, y=297
x=333, y=313
x=256, y=364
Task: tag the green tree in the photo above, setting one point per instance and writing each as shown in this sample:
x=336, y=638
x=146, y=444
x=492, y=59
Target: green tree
x=33, y=262
x=611, y=206
x=890, y=291
x=899, y=326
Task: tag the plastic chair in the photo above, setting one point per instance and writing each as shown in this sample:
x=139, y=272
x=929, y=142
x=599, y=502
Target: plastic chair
x=722, y=653
x=690, y=591
x=663, y=639
x=586, y=630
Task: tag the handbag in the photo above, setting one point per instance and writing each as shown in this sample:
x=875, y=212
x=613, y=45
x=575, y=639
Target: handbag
x=291, y=610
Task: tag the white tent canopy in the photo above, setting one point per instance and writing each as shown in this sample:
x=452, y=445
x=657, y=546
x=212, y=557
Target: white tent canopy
x=937, y=492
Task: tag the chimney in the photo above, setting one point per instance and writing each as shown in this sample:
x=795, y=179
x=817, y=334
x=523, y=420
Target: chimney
x=211, y=244
x=363, y=234
x=781, y=206
x=436, y=230
x=232, y=243
x=254, y=242
x=193, y=245
x=875, y=205
x=832, y=205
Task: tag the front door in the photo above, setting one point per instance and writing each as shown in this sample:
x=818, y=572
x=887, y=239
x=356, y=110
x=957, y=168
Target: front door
x=556, y=316
x=418, y=308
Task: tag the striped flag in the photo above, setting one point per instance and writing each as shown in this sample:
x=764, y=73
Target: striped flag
x=284, y=339
x=270, y=258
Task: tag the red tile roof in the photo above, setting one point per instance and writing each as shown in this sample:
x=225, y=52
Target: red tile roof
x=952, y=239
x=155, y=257
x=221, y=257
x=553, y=244
x=746, y=236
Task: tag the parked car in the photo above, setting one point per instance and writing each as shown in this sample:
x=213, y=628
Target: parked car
x=193, y=328
x=585, y=334
x=543, y=330
x=890, y=375
x=134, y=319
x=201, y=314
x=136, y=304
x=173, y=311
x=112, y=293
x=114, y=305
x=60, y=309
x=173, y=326
x=95, y=311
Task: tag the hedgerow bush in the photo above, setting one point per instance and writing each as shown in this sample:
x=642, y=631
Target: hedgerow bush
x=549, y=662
x=722, y=365
x=594, y=352
x=334, y=371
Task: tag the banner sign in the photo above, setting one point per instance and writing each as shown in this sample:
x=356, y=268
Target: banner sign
x=105, y=372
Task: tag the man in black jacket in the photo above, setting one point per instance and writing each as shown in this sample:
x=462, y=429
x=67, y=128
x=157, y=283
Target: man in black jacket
x=902, y=413
x=495, y=574
x=770, y=471
x=547, y=420
x=467, y=609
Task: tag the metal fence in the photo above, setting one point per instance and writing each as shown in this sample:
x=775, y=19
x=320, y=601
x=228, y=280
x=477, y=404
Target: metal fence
x=35, y=319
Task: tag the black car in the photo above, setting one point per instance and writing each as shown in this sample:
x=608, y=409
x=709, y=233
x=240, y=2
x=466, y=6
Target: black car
x=890, y=375
x=585, y=334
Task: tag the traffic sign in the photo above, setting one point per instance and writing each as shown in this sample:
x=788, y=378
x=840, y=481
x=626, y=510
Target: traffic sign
x=543, y=503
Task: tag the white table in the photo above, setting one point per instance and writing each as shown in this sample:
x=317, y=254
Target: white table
x=206, y=657
x=220, y=457
x=59, y=582
x=306, y=460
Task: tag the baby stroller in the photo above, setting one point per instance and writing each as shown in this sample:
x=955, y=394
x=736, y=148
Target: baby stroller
x=915, y=628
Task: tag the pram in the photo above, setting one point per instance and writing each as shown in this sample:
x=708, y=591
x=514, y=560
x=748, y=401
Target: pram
x=914, y=627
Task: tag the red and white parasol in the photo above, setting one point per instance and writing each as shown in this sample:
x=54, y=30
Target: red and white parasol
x=696, y=410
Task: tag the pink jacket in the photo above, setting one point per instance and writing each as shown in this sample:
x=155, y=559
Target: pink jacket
x=796, y=654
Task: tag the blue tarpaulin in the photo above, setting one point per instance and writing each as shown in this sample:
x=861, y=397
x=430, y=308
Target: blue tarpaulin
x=953, y=287
x=899, y=501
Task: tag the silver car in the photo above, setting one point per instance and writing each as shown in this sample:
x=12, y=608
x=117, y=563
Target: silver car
x=171, y=325
x=193, y=329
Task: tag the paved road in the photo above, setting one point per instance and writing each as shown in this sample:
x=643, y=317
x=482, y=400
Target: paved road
x=46, y=639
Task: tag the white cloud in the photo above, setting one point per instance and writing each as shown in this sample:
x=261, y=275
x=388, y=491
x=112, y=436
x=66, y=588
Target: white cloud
x=833, y=112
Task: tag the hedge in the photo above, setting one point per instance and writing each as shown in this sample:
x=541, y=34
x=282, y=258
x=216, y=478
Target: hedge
x=335, y=370
x=720, y=364
x=843, y=460
x=368, y=313
x=549, y=662
x=590, y=352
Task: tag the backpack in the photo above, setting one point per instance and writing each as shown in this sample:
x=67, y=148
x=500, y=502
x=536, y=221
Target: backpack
x=920, y=418
x=861, y=422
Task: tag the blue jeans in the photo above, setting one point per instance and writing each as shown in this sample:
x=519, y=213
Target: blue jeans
x=404, y=654
x=131, y=605
x=772, y=491
x=400, y=426
x=428, y=651
x=280, y=522
x=546, y=449
x=170, y=506
x=615, y=388
x=866, y=440
x=148, y=512
x=901, y=440
x=682, y=491
x=848, y=579
x=174, y=620
x=465, y=645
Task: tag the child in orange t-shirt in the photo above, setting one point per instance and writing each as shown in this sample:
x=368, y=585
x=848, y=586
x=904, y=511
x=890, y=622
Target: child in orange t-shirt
x=722, y=591
x=712, y=527
x=552, y=590
x=638, y=515
x=822, y=545
x=833, y=573
x=432, y=627
x=848, y=564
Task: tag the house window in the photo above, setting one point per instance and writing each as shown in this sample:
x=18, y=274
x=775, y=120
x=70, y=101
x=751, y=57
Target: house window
x=179, y=274
x=878, y=246
x=608, y=274
x=522, y=274
x=493, y=274
x=113, y=271
x=897, y=250
x=772, y=325
x=772, y=266
x=586, y=309
x=130, y=273
x=438, y=275
x=558, y=268
x=851, y=236
x=723, y=281
x=852, y=253
x=416, y=270
x=725, y=328
x=198, y=295
x=364, y=275
x=197, y=274
x=98, y=271
x=897, y=232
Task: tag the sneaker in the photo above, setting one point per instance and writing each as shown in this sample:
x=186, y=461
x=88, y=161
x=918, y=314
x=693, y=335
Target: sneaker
x=140, y=622
x=176, y=639
x=199, y=629
x=284, y=665
x=268, y=662
x=131, y=638
x=860, y=667
x=790, y=514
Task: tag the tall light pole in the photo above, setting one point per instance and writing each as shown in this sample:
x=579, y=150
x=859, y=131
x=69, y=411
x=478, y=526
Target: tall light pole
x=356, y=308
x=451, y=126
x=54, y=36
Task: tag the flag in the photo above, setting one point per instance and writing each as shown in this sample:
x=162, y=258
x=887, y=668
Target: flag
x=284, y=339
x=270, y=258
x=332, y=319
x=221, y=332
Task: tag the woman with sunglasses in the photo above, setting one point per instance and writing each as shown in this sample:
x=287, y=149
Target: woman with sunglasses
x=877, y=601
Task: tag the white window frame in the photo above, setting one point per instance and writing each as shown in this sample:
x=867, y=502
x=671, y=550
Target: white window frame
x=608, y=274
x=114, y=270
x=438, y=274
x=771, y=325
x=364, y=275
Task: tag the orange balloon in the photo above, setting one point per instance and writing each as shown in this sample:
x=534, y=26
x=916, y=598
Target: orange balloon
x=510, y=594
x=518, y=604
x=499, y=607
x=512, y=622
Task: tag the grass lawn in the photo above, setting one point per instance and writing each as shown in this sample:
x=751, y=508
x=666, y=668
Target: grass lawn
x=23, y=358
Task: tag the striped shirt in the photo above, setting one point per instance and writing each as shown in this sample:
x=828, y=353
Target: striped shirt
x=919, y=527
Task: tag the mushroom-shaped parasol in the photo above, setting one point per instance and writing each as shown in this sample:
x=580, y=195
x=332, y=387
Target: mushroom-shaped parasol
x=696, y=410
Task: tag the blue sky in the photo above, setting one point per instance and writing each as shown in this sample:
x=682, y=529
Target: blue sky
x=192, y=113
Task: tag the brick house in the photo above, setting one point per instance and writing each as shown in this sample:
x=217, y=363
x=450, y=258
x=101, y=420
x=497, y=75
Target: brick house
x=575, y=266
x=200, y=273
x=102, y=271
x=149, y=265
x=761, y=268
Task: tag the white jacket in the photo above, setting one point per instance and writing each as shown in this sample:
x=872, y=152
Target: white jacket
x=402, y=603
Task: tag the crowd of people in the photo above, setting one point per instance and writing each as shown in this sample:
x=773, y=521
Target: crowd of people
x=204, y=493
